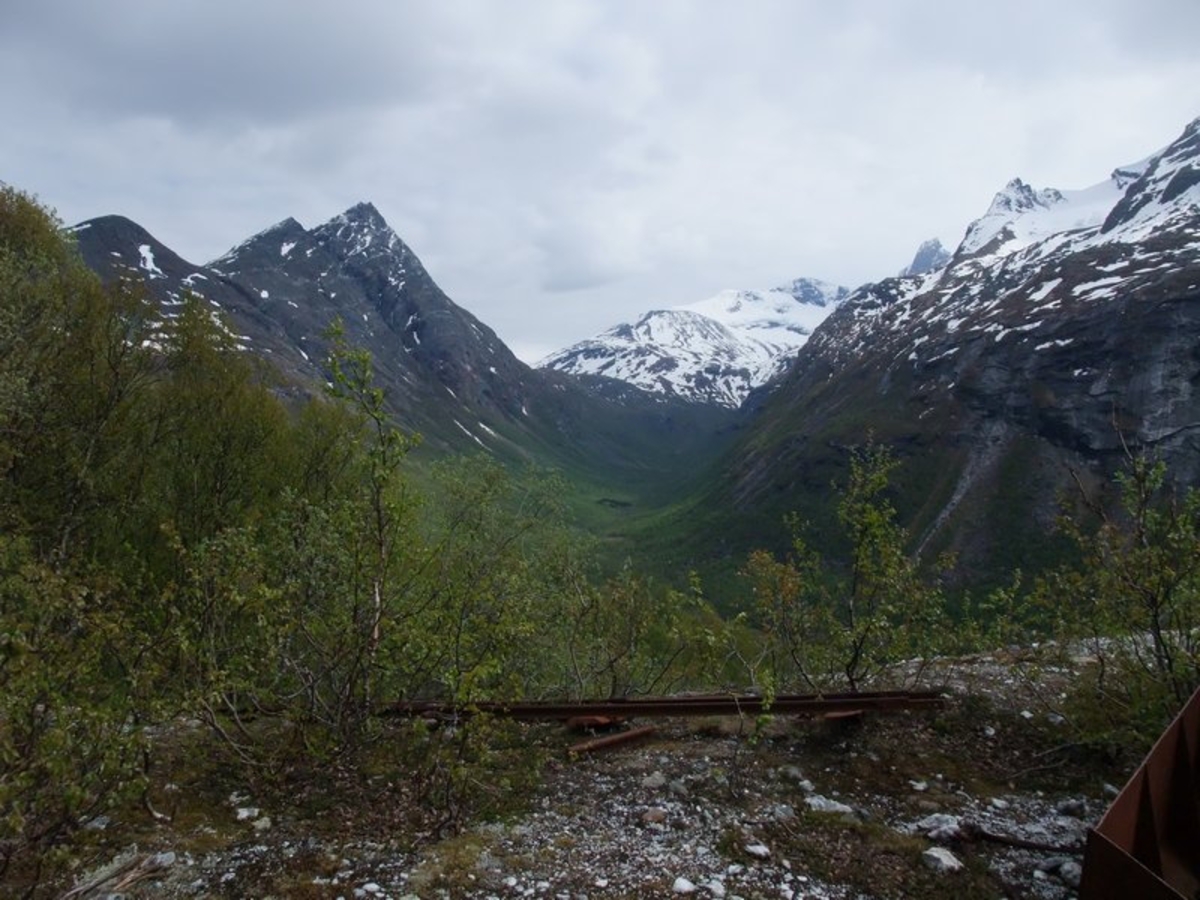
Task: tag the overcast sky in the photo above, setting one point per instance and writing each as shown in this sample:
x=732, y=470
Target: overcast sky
x=562, y=166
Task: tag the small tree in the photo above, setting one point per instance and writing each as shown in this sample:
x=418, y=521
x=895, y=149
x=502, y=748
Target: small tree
x=1132, y=602
x=825, y=627
x=627, y=637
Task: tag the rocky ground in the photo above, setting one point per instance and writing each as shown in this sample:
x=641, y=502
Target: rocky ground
x=984, y=798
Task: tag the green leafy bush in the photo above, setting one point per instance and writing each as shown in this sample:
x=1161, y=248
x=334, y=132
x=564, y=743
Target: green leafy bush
x=847, y=628
x=1132, y=606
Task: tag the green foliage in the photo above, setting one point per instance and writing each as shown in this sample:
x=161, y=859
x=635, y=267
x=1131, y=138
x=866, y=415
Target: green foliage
x=1133, y=605
x=70, y=366
x=219, y=436
x=826, y=628
x=483, y=588
x=68, y=748
x=477, y=768
x=627, y=637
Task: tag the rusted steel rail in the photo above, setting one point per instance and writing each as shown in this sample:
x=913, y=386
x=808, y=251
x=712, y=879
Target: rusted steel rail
x=707, y=705
x=1148, y=843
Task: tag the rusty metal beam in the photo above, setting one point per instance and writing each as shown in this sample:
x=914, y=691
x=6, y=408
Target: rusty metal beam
x=613, y=740
x=1148, y=843
x=707, y=705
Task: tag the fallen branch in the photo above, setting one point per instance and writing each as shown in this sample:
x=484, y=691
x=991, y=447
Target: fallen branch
x=973, y=831
x=118, y=878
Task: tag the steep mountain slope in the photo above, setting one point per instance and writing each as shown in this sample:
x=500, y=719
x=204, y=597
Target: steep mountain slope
x=445, y=373
x=715, y=351
x=1063, y=330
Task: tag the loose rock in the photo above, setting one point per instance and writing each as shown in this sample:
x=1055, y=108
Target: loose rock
x=941, y=860
x=758, y=851
x=654, y=815
x=940, y=827
x=1071, y=873
x=823, y=804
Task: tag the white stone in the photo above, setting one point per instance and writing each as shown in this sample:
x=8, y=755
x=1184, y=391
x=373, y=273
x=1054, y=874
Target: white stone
x=823, y=804
x=758, y=851
x=941, y=860
x=1071, y=873
x=683, y=886
x=654, y=781
x=940, y=826
x=247, y=812
x=716, y=889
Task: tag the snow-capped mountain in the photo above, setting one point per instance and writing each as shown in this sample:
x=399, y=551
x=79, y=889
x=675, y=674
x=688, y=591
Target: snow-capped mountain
x=1060, y=336
x=1036, y=257
x=714, y=351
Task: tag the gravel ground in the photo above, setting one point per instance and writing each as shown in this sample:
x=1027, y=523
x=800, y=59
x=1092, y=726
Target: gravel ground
x=804, y=810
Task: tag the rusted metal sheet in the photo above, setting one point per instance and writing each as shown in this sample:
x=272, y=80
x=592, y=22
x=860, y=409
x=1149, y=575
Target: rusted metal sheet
x=1148, y=843
x=707, y=705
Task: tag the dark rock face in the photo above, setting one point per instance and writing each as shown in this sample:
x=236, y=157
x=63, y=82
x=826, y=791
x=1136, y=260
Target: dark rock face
x=355, y=268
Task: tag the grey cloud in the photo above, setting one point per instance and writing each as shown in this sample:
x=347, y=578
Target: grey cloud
x=203, y=62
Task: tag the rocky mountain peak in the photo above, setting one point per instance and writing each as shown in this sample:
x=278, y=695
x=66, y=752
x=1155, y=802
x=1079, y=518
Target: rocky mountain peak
x=814, y=291
x=1018, y=197
x=930, y=257
x=120, y=247
x=361, y=231
x=270, y=243
x=1166, y=191
x=364, y=215
x=287, y=227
